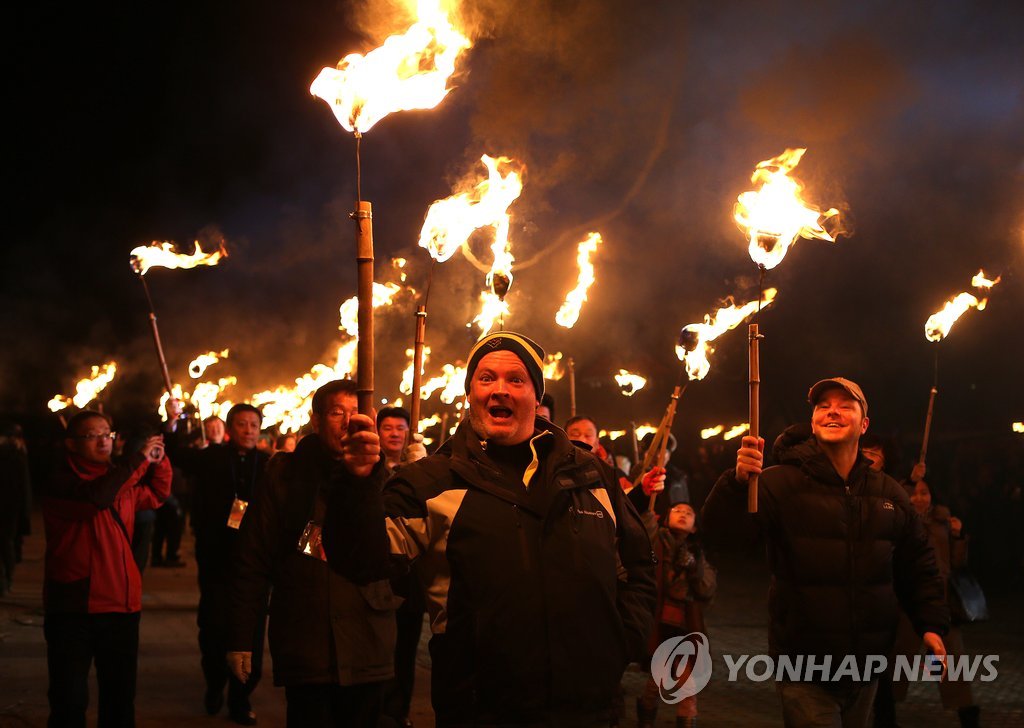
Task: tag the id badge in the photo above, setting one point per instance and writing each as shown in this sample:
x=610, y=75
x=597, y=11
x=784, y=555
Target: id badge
x=310, y=542
x=237, y=512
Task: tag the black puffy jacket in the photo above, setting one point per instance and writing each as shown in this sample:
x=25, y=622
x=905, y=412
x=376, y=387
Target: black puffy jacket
x=844, y=556
x=538, y=595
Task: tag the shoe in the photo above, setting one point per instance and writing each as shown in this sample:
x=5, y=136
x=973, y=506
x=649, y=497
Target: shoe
x=213, y=701
x=247, y=718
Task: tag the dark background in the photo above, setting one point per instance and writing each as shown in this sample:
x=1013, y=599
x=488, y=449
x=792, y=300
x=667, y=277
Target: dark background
x=642, y=121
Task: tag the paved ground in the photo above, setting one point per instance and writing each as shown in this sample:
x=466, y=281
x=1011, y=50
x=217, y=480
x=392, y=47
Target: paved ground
x=170, y=685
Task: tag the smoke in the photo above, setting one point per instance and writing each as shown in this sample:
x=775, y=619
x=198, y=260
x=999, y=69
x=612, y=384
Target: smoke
x=639, y=121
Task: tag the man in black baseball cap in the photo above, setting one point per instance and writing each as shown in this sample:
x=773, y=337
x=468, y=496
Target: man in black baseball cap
x=846, y=551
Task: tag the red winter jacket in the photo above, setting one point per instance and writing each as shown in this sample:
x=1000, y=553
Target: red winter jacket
x=89, y=563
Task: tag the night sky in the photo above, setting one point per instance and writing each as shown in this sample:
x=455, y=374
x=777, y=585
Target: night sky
x=642, y=121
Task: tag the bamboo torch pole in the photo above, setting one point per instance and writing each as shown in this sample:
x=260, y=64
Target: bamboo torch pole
x=572, y=387
x=363, y=216
x=155, y=330
x=417, y=365
x=931, y=408
x=755, y=405
x=664, y=431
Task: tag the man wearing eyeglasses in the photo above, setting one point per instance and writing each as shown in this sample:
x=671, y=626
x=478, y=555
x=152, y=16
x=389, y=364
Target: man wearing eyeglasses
x=332, y=641
x=92, y=591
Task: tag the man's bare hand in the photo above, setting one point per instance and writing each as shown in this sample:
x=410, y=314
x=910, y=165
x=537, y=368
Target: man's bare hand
x=653, y=481
x=153, y=449
x=956, y=526
x=362, y=446
x=917, y=472
x=240, y=664
x=933, y=643
x=749, y=458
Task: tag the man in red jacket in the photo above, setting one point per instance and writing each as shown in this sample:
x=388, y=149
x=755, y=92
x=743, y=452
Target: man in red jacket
x=92, y=592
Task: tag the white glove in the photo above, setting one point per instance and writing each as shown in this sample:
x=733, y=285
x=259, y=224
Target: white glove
x=414, y=450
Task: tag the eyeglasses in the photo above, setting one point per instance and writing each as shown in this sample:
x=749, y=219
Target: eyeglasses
x=99, y=437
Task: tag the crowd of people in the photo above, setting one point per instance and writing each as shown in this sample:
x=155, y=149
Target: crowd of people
x=544, y=561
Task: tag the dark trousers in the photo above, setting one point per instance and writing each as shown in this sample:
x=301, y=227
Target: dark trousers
x=333, y=706
x=212, y=618
x=397, y=693
x=170, y=523
x=73, y=642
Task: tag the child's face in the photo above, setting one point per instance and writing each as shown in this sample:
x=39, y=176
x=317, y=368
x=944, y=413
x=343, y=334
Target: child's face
x=682, y=518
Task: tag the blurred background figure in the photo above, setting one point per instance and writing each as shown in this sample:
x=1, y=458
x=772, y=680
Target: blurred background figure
x=15, y=499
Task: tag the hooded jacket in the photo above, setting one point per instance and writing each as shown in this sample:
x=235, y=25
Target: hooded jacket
x=323, y=628
x=539, y=592
x=89, y=515
x=843, y=555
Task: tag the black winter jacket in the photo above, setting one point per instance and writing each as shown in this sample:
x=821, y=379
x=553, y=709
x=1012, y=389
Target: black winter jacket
x=323, y=628
x=538, y=595
x=844, y=556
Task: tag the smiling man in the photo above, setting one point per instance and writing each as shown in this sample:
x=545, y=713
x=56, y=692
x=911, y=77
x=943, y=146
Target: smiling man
x=538, y=573
x=846, y=550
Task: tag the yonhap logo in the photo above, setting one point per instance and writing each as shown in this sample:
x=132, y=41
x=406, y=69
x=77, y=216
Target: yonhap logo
x=681, y=666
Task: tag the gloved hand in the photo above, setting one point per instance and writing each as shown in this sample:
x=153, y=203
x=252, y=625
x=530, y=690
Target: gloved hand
x=653, y=481
x=240, y=664
x=415, y=450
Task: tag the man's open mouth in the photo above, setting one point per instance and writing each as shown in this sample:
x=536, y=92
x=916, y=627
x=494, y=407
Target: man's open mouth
x=499, y=413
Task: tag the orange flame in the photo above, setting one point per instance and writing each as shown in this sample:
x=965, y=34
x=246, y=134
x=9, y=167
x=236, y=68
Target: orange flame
x=629, y=384
x=409, y=71
x=697, y=364
x=611, y=434
x=774, y=216
x=450, y=222
x=1018, y=427
x=736, y=431
x=348, y=312
x=980, y=280
x=553, y=370
x=164, y=255
x=708, y=432
x=199, y=365
x=491, y=309
x=937, y=327
x=203, y=397
x=569, y=313
x=289, y=407
x=643, y=430
x=87, y=389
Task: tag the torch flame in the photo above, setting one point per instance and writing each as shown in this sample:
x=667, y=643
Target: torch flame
x=629, y=384
x=569, y=313
x=450, y=222
x=774, y=216
x=980, y=280
x=937, y=327
x=553, y=370
x=383, y=293
x=199, y=365
x=708, y=432
x=643, y=430
x=611, y=434
x=491, y=309
x=736, y=431
x=87, y=389
x=409, y=71
x=697, y=364
x=1018, y=427
x=164, y=255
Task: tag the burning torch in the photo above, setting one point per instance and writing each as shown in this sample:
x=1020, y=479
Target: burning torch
x=164, y=255
x=773, y=217
x=937, y=327
x=409, y=71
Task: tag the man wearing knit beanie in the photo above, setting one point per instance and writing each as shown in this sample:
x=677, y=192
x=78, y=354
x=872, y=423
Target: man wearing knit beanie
x=539, y=575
